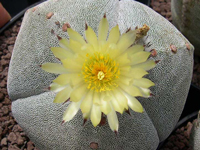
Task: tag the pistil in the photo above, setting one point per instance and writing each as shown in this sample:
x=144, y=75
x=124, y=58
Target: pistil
x=100, y=75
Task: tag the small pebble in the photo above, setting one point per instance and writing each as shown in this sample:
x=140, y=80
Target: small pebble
x=1, y=96
x=4, y=141
x=6, y=101
x=12, y=137
x=20, y=140
x=13, y=147
x=30, y=145
x=5, y=110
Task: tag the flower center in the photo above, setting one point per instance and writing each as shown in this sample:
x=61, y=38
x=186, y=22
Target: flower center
x=100, y=72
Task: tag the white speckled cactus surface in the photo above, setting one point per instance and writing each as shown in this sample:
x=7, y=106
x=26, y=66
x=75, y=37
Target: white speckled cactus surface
x=33, y=107
x=185, y=15
x=195, y=135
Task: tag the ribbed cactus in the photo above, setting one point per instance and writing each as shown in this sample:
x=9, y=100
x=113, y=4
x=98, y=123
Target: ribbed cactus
x=185, y=16
x=41, y=119
x=195, y=134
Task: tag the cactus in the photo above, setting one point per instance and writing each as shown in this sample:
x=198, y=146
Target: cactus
x=185, y=16
x=195, y=134
x=33, y=107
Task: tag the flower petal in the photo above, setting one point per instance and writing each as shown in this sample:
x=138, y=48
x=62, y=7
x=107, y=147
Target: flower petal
x=56, y=87
x=126, y=40
x=63, y=95
x=75, y=36
x=122, y=100
x=143, y=82
x=76, y=79
x=72, y=65
x=86, y=115
x=105, y=107
x=123, y=60
x=95, y=115
x=62, y=79
x=134, y=104
x=106, y=96
x=125, y=69
x=91, y=36
x=103, y=29
x=138, y=73
x=134, y=49
x=61, y=53
x=71, y=111
x=135, y=73
x=104, y=47
x=147, y=65
x=145, y=92
x=119, y=108
x=86, y=104
x=113, y=120
x=54, y=68
x=139, y=57
x=78, y=93
x=64, y=43
x=131, y=90
x=113, y=51
x=75, y=46
x=96, y=98
x=88, y=48
x=114, y=35
x=125, y=80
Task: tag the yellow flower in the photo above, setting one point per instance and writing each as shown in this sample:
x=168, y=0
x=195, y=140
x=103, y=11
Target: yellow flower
x=100, y=75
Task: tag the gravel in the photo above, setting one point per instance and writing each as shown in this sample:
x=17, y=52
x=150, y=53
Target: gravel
x=179, y=140
x=12, y=136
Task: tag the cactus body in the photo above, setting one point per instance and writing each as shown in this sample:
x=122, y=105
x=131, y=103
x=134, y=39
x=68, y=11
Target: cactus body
x=41, y=119
x=195, y=135
x=185, y=16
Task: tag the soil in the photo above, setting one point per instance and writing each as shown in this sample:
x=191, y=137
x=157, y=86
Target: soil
x=12, y=136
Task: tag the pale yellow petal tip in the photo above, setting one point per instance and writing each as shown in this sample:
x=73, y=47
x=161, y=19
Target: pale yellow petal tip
x=74, y=98
x=95, y=124
x=141, y=110
x=95, y=115
x=54, y=101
